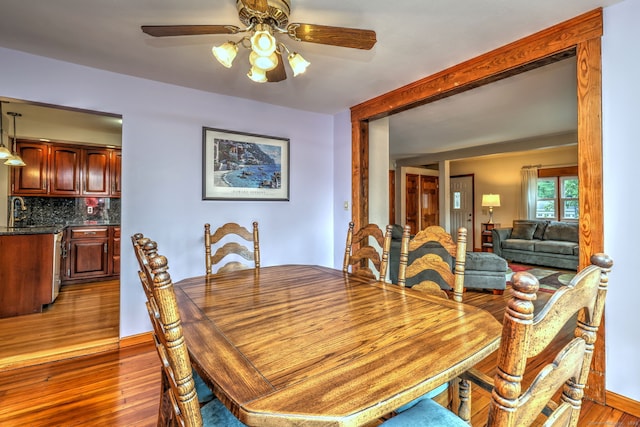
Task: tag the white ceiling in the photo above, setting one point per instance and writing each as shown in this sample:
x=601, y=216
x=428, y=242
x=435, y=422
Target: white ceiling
x=416, y=38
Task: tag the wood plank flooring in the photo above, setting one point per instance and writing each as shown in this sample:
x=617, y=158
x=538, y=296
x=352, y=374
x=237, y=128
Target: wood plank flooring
x=84, y=319
x=121, y=387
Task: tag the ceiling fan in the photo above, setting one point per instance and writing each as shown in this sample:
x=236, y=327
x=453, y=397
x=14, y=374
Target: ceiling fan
x=263, y=19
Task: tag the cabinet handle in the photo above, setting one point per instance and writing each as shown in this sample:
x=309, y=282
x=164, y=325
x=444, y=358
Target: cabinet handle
x=105, y=248
x=87, y=233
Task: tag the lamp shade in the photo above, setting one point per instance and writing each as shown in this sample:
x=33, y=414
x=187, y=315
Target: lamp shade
x=491, y=200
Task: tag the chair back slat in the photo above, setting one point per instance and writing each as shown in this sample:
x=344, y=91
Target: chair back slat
x=360, y=255
x=215, y=257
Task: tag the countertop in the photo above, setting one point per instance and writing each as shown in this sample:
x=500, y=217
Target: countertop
x=49, y=229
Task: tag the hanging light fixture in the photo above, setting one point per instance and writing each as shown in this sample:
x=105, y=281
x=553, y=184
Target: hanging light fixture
x=15, y=159
x=265, y=54
x=4, y=151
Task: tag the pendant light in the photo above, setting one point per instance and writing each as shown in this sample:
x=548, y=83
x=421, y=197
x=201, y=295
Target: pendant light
x=15, y=159
x=4, y=151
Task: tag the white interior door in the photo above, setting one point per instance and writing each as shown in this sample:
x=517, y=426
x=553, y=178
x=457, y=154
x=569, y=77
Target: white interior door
x=461, y=189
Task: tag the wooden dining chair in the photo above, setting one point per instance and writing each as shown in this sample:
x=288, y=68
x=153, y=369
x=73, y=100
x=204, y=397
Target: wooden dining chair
x=179, y=404
x=361, y=256
x=526, y=334
x=232, y=247
x=145, y=249
x=429, y=269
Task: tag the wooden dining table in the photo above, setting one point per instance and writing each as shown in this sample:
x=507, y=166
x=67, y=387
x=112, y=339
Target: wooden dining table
x=309, y=345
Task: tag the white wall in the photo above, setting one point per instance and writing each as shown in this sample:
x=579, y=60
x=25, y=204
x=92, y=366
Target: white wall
x=162, y=191
x=621, y=94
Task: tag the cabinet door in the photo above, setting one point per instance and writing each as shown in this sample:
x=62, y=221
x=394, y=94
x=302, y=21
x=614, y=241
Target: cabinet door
x=115, y=250
x=64, y=173
x=89, y=258
x=116, y=171
x=32, y=178
x=96, y=177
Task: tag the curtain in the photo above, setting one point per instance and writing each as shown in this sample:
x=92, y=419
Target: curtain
x=529, y=192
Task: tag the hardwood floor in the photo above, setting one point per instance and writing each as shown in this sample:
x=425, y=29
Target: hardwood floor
x=121, y=387
x=84, y=319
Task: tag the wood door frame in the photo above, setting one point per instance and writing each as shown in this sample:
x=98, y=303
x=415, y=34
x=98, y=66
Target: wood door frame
x=579, y=37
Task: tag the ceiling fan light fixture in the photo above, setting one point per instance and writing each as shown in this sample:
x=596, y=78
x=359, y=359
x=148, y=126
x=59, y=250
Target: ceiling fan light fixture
x=298, y=63
x=257, y=75
x=262, y=41
x=225, y=53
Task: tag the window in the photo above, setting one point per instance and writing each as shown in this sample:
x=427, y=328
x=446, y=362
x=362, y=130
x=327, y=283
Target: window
x=557, y=194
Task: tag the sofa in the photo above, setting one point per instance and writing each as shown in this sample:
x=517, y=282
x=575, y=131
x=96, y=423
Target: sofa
x=482, y=270
x=539, y=242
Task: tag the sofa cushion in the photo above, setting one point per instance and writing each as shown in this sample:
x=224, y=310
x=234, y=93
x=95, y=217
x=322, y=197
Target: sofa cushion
x=564, y=231
x=555, y=247
x=541, y=226
x=519, y=244
x=523, y=230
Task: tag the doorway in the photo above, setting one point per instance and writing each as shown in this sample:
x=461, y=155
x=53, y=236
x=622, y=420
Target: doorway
x=461, y=209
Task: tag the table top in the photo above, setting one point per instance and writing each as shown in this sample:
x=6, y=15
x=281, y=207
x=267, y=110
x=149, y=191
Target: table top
x=289, y=344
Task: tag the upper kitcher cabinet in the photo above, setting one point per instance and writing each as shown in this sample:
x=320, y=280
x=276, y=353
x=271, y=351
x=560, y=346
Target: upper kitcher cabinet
x=66, y=170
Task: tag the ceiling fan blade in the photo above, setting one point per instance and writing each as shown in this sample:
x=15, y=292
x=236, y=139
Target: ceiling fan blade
x=335, y=36
x=260, y=6
x=278, y=74
x=188, y=30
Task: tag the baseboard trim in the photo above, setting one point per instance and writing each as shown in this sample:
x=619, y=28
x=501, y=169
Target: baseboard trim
x=623, y=403
x=133, y=340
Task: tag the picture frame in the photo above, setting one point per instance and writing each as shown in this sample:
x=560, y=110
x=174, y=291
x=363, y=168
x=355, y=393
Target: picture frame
x=244, y=166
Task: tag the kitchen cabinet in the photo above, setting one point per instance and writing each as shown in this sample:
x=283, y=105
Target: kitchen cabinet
x=29, y=272
x=64, y=170
x=116, y=173
x=96, y=179
x=91, y=253
x=32, y=179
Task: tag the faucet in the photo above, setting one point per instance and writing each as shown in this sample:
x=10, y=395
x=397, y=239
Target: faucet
x=15, y=215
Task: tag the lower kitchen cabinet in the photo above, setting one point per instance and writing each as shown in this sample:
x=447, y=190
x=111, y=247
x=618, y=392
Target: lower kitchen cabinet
x=90, y=253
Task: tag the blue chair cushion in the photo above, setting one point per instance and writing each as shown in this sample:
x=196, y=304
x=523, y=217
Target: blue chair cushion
x=425, y=413
x=216, y=414
x=202, y=389
x=430, y=395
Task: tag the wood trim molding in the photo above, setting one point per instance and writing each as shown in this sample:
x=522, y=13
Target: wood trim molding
x=578, y=37
x=133, y=340
x=623, y=403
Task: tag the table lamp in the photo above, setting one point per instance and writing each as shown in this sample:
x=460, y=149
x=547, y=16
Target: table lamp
x=491, y=201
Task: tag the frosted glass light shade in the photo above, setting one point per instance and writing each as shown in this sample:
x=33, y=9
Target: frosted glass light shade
x=4, y=152
x=225, y=53
x=257, y=75
x=262, y=42
x=298, y=63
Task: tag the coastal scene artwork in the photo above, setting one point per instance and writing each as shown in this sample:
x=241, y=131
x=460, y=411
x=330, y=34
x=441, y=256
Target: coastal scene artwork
x=245, y=166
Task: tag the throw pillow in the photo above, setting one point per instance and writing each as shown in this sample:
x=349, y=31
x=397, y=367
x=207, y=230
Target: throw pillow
x=565, y=231
x=541, y=227
x=523, y=230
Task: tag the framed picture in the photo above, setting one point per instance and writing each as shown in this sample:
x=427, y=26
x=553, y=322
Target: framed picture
x=244, y=166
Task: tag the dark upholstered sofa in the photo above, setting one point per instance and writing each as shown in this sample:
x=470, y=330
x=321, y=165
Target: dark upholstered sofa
x=539, y=242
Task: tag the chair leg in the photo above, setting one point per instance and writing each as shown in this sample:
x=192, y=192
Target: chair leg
x=498, y=291
x=465, y=401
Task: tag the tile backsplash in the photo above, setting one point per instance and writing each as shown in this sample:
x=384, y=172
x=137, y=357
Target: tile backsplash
x=46, y=211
